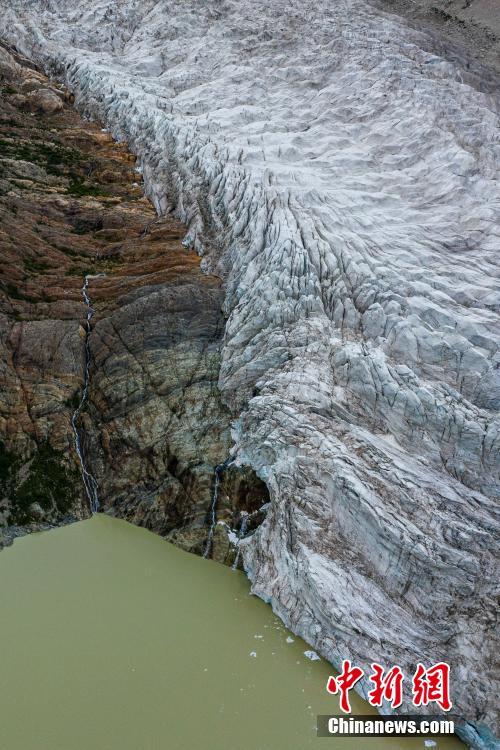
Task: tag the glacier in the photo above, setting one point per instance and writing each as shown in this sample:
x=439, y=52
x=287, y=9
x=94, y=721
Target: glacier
x=343, y=179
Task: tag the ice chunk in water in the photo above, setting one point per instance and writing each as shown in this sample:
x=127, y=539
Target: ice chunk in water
x=312, y=655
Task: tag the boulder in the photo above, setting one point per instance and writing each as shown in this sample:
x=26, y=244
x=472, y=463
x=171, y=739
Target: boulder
x=44, y=100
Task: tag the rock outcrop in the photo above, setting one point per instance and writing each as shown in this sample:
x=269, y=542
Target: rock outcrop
x=457, y=25
x=153, y=426
x=343, y=178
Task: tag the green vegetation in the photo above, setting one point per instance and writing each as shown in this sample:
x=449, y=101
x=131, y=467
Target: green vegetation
x=15, y=293
x=10, y=122
x=49, y=483
x=78, y=187
x=19, y=183
x=64, y=249
x=87, y=224
x=54, y=158
x=81, y=228
x=79, y=271
x=7, y=463
x=34, y=265
x=73, y=401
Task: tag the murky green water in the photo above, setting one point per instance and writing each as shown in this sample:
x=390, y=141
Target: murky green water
x=112, y=639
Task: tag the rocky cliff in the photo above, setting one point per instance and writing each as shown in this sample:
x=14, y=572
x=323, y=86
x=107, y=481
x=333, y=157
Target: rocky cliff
x=342, y=178
x=153, y=427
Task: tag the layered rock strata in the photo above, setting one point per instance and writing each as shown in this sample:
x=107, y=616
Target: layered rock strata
x=153, y=427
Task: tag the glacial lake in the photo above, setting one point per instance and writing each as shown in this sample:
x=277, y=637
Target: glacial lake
x=112, y=639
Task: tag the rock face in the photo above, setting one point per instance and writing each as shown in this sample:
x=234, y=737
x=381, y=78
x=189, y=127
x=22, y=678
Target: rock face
x=153, y=427
x=343, y=177
x=473, y=25
x=40, y=305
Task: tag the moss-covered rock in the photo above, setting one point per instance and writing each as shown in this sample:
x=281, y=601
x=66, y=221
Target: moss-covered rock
x=42, y=486
x=7, y=464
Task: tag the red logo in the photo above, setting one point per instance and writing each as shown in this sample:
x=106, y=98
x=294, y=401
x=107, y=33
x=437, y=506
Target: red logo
x=343, y=683
x=432, y=686
x=428, y=685
x=388, y=687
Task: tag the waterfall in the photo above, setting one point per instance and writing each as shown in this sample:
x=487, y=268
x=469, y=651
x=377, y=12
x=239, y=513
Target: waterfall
x=242, y=532
x=219, y=469
x=89, y=481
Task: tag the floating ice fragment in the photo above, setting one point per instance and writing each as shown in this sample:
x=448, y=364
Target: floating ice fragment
x=253, y=653
x=312, y=655
x=430, y=743
x=258, y=636
x=290, y=639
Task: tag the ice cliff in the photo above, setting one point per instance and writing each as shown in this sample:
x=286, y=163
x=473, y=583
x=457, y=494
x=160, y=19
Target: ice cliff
x=343, y=180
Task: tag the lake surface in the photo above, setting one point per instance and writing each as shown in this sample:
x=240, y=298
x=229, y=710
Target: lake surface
x=112, y=639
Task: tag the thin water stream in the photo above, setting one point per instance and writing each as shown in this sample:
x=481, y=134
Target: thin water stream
x=212, y=514
x=89, y=480
x=241, y=534
x=113, y=639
